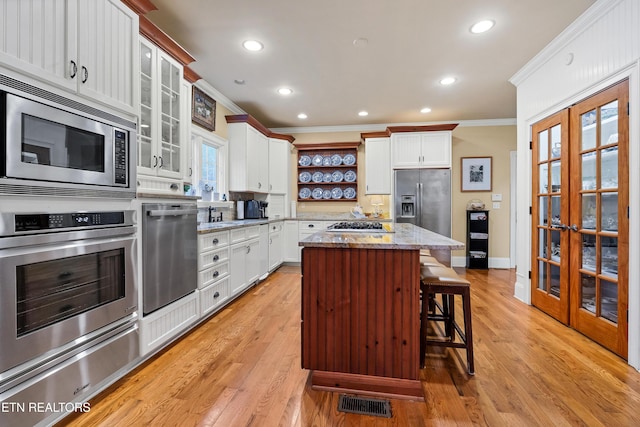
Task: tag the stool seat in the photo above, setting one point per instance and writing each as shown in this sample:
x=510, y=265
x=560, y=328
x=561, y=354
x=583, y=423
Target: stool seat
x=427, y=260
x=437, y=279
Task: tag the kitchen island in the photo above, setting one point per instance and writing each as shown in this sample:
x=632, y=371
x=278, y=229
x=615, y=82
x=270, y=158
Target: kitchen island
x=361, y=309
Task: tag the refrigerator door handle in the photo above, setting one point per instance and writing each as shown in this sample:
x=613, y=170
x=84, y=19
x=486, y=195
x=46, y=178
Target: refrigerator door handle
x=418, y=203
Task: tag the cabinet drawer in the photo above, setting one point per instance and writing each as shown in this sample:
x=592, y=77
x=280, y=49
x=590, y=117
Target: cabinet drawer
x=209, y=241
x=245, y=233
x=311, y=226
x=213, y=296
x=213, y=274
x=210, y=259
x=275, y=227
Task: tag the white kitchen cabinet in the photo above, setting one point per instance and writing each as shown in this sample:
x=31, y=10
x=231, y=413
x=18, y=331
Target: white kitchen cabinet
x=85, y=47
x=264, y=251
x=290, y=251
x=278, y=166
x=276, y=246
x=248, y=159
x=187, y=144
x=163, y=114
x=213, y=271
x=244, y=258
x=377, y=152
x=421, y=149
x=307, y=228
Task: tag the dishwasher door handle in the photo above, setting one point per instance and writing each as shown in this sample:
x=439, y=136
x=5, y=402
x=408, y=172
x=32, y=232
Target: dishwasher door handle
x=173, y=212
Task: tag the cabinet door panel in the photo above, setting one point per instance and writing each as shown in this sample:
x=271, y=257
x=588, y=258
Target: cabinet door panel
x=406, y=149
x=436, y=149
x=377, y=166
x=278, y=166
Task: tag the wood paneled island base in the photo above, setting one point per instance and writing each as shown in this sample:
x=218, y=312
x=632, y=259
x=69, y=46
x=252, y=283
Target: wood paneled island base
x=361, y=320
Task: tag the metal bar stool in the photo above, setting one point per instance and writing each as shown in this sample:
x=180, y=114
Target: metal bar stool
x=446, y=282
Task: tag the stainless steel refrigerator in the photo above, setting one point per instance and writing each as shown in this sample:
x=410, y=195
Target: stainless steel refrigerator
x=423, y=198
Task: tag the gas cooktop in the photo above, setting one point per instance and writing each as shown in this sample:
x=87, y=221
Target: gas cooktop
x=361, y=226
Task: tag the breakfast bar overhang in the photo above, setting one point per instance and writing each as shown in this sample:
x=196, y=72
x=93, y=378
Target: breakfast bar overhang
x=361, y=309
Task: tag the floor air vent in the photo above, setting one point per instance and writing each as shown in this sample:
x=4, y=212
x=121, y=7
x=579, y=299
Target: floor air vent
x=364, y=406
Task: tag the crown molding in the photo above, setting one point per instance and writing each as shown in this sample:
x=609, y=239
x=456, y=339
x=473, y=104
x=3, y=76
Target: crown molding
x=164, y=42
x=383, y=127
x=219, y=97
x=575, y=29
x=140, y=7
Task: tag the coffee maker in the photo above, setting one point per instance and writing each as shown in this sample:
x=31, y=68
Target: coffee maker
x=263, y=209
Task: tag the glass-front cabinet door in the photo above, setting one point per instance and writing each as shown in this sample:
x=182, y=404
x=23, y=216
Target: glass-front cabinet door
x=600, y=194
x=580, y=202
x=550, y=213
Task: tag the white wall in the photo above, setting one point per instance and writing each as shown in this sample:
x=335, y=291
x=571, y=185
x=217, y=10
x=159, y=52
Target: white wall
x=600, y=48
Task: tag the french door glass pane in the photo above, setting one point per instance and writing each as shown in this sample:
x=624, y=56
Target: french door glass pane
x=543, y=145
x=589, y=211
x=589, y=171
x=589, y=252
x=609, y=123
x=555, y=210
x=588, y=292
x=588, y=130
x=542, y=243
x=609, y=256
x=609, y=301
x=543, y=176
x=542, y=275
x=555, y=246
x=609, y=167
x=542, y=209
x=555, y=176
x=554, y=276
x=609, y=212
x=145, y=60
x=556, y=142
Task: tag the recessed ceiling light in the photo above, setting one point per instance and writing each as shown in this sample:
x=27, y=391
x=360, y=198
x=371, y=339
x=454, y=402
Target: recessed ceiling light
x=302, y=116
x=285, y=91
x=253, y=45
x=363, y=113
x=239, y=81
x=447, y=81
x=482, y=26
x=425, y=110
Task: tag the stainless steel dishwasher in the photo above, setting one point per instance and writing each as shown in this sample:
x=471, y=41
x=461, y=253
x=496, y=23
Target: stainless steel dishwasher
x=169, y=253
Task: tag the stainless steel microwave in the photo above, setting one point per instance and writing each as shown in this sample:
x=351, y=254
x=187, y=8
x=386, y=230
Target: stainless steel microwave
x=52, y=146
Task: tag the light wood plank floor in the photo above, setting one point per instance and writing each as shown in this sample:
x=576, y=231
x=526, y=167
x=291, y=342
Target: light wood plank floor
x=242, y=368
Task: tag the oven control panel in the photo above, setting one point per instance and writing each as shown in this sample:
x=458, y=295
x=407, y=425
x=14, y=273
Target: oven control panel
x=55, y=221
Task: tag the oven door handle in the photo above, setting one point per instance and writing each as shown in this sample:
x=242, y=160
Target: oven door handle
x=175, y=212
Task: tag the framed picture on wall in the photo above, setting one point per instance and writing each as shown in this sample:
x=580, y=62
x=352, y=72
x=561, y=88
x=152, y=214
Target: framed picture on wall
x=476, y=174
x=203, y=109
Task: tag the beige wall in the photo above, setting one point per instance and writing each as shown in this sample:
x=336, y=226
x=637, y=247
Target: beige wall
x=484, y=141
x=480, y=141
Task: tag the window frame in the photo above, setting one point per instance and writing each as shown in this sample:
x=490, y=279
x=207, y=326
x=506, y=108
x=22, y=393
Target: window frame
x=199, y=137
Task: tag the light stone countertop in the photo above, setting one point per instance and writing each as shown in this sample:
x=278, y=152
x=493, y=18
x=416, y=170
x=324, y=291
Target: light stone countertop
x=406, y=236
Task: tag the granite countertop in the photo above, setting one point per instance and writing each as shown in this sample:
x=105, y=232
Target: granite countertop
x=209, y=227
x=335, y=216
x=406, y=236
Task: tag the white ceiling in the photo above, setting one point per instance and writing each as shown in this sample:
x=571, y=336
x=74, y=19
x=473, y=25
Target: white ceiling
x=412, y=44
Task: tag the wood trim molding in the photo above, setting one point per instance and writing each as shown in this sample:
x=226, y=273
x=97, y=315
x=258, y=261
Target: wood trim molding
x=427, y=128
x=141, y=7
x=164, y=42
x=190, y=75
x=381, y=134
x=328, y=145
x=282, y=136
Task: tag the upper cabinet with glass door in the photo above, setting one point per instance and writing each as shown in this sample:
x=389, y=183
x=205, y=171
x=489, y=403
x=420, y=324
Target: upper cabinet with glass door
x=162, y=114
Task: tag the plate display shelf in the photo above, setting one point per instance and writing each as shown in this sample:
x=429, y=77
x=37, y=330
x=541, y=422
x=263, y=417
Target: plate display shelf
x=333, y=157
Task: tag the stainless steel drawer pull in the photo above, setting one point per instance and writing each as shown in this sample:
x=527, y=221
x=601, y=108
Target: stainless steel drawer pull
x=176, y=212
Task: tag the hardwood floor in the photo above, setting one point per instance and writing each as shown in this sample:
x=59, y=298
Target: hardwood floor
x=242, y=368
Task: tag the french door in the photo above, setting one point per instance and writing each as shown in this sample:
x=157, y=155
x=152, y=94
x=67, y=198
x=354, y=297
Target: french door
x=580, y=241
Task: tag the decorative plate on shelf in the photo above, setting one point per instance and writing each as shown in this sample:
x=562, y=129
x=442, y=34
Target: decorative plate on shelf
x=349, y=193
x=304, y=160
x=304, y=193
x=337, y=176
x=327, y=177
x=317, y=193
x=336, y=160
x=350, y=176
x=349, y=159
x=317, y=176
x=326, y=161
x=304, y=177
x=317, y=160
x=326, y=194
x=336, y=193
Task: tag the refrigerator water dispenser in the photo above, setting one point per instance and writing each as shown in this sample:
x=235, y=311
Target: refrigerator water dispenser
x=408, y=204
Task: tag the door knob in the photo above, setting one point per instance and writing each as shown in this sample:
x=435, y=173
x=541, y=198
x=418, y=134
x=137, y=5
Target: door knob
x=573, y=227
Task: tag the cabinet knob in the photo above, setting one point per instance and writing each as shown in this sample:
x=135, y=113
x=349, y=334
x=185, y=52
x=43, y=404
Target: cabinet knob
x=215, y=241
x=311, y=225
x=248, y=249
x=216, y=273
x=216, y=295
x=216, y=257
